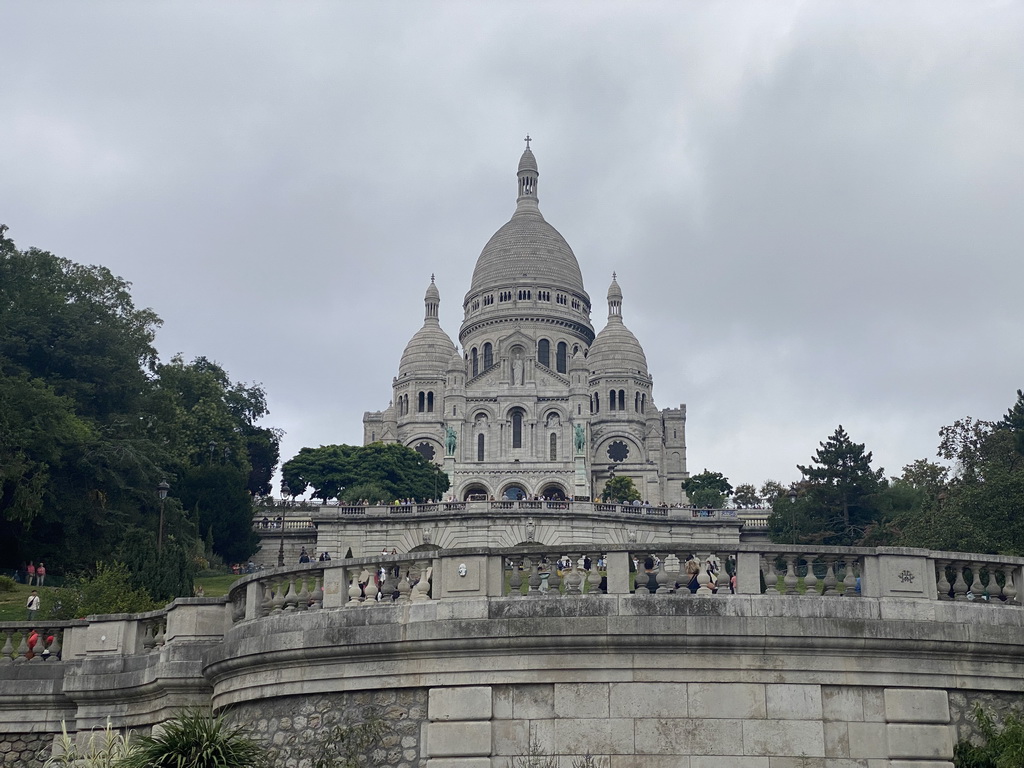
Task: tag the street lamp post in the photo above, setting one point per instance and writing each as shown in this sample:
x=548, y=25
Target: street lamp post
x=792, y=515
x=285, y=491
x=161, y=491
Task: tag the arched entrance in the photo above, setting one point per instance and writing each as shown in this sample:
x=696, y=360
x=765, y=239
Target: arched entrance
x=553, y=492
x=475, y=492
x=513, y=492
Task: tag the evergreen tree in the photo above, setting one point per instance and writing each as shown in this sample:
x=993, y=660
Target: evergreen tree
x=708, y=490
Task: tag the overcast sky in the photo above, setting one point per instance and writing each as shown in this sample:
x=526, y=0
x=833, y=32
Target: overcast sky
x=815, y=209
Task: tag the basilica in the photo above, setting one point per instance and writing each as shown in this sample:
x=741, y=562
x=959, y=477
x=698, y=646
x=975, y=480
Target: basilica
x=536, y=404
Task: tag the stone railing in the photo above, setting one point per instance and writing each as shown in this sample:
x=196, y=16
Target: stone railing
x=25, y=641
x=631, y=569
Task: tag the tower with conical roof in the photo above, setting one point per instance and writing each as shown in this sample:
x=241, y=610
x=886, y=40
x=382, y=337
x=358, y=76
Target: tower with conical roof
x=539, y=405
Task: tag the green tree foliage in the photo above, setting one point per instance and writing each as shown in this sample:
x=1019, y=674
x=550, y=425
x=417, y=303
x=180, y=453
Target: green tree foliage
x=976, y=507
x=1003, y=744
x=90, y=423
x=746, y=496
x=195, y=738
x=708, y=490
x=395, y=471
x=837, y=502
x=620, y=489
x=111, y=590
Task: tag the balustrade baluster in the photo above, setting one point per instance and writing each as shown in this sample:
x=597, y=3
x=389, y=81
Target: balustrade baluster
x=302, y=598
x=574, y=578
x=291, y=598
x=771, y=578
x=959, y=585
x=790, y=579
x=533, y=579
x=421, y=591
x=55, y=647
x=22, y=652
x=942, y=584
x=161, y=633
x=977, y=588
x=722, y=575
x=277, y=603
x=8, y=650
x=147, y=636
x=594, y=575
x=1009, y=588
x=850, y=581
x=371, y=589
x=554, y=581
x=810, y=580
x=662, y=577
x=355, y=592
x=515, y=579
x=317, y=595
x=703, y=579
x=404, y=589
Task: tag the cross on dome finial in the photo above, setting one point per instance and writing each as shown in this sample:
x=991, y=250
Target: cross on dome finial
x=431, y=277
x=527, y=140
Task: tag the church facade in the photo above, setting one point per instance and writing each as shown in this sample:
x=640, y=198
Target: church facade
x=536, y=404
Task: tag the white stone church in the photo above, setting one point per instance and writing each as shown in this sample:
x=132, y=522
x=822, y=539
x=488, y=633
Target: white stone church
x=536, y=404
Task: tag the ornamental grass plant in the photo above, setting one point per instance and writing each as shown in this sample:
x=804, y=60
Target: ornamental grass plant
x=195, y=738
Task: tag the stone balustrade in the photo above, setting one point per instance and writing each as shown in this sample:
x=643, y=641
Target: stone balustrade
x=25, y=641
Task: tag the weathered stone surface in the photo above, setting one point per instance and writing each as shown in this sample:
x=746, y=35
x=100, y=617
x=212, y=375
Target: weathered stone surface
x=533, y=701
x=920, y=741
x=783, y=738
x=794, y=702
x=688, y=736
x=459, y=762
x=581, y=700
x=459, y=739
x=730, y=700
x=868, y=740
x=916, y=705
x=602, y=736
x=648, y=700
x=464, y=703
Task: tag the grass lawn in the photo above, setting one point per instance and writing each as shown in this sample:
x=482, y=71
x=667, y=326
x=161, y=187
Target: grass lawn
x=12, y=604
x=215, y=586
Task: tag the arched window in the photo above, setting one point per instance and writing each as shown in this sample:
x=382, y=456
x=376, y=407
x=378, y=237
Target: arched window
x=611, y=399
x=544, y=352
x=430, y=402
x=422, y=401
x=480, y=447
x=476, y=362
x=643, y=403
x=488, y=355
x=636, y=403
x=553, y=441
x=517, y=428
x=622, y=399
x=597, y=402
x=560, y=359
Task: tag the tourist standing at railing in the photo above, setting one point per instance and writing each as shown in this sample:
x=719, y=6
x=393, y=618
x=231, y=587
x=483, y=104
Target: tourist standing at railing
x=31, y=571
x=304, y=556
x=40, y=574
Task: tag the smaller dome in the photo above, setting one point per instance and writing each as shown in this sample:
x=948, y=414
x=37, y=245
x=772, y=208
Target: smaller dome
x=528, y=162
x=614, y=292
x=429, y=352
x=457, y=363
x=616, y=350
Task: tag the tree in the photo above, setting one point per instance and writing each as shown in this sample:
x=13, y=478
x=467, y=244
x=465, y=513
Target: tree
x=746, y=496
x=771, y=491
x=707, y=490
x=620, y=489
x=396, y=471
x=837, y=501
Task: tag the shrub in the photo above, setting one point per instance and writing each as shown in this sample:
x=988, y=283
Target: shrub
x=104, y=748
x=110, y=591
x=1003, y=747
x=7, y=584
x=197, y=739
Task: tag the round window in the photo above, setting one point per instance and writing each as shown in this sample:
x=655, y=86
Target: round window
x=426, y=450
x=618, y=451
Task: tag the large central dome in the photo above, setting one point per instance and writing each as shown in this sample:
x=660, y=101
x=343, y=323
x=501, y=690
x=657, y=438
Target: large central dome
x=527, y=250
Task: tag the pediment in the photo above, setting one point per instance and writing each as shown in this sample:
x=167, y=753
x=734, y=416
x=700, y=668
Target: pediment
x=545, y=376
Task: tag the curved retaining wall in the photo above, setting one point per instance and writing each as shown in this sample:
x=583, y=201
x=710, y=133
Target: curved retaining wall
x=490, y=651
